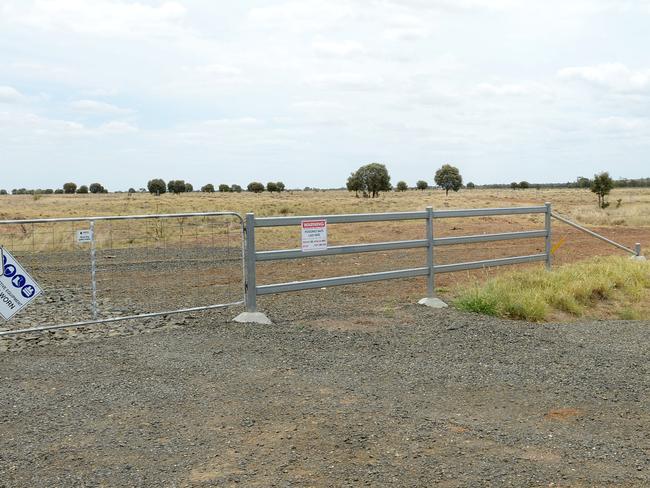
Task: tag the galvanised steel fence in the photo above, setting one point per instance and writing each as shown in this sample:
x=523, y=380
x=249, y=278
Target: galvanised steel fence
x=429, y=243
x=126, y=267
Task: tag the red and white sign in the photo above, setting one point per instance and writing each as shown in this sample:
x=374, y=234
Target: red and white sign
x=314, y=235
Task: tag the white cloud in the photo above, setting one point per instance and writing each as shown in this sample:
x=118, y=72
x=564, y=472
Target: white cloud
x=108, y=18
x=345, y=81
x=614, y=76
x=9, y=94
x=97, y=107
x=117, y=127
x=502, y=90
x=340, y=49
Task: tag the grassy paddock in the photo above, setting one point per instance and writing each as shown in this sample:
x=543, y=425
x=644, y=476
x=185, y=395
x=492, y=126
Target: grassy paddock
x=616, y=285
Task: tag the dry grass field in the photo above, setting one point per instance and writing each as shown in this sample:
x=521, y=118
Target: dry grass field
x=627, y=221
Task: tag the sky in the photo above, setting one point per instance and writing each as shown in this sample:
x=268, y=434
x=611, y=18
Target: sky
x=306, y=91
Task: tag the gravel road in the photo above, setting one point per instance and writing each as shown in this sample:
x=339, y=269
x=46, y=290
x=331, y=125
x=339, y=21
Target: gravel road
x=404, y=396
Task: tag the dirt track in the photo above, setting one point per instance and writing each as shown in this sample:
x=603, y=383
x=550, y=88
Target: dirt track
x=403, y=396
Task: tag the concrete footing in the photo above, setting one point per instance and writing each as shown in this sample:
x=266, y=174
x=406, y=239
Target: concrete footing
x=252, y=318
x=433, y=303
x=638, y=258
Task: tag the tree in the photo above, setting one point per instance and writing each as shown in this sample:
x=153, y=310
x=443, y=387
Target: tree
x=353, y=184
x=69, y=188
x=156, y=186
x=422, y=185
x=524, y=185
x=189, y=188
x=177, y=186
x=401, y=186
x=236, y=188
x=449, y=178
x=601, y=185
x=58, y=191
x=371, y=178
x=471, y=186
x=82, y=189
x=514, y=185
x=255, y=187
x=209, y=188
x=96, y=188
x=271, y=186
x=280, y=186
x=582, y=182
x=223, y=188
x=3, y=192
x=131, y=190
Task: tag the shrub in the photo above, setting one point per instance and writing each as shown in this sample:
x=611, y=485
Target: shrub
x=271, y=187
x=255, y=187
x=189, y=188
x=422, y=185
x=471, y=185
x=82, y=189
x=131, y=190
x=601, y=185
x=58, y=191
x=524, y=185
x=209, y=188
x=69, y=188
x=3, y=192
x=401, y=186
x=371, y=178
x=157, y=186
x=96, y=188
x=236, y=188
x=448, y=177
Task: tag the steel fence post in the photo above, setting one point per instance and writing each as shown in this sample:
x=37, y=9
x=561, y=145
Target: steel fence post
x=93, y=268
x=637, y=249
x=431, y=278
x=251, y=297
x=548, y=234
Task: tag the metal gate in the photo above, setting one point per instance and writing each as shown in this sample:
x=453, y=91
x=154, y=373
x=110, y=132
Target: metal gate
x=97, y=270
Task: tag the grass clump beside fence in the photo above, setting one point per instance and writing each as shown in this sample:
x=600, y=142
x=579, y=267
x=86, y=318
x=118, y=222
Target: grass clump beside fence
x=618, y=283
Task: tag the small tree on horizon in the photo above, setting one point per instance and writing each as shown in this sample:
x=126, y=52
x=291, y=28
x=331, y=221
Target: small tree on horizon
x=448, y=177
x=601, y=185
x=471, y=186
x=514, y=185
x=69, y=188
x=82, y=189
x=223, y=188
x=422, y=185
x=235, y=188
x=524, y=185
x=401, y=186
x=157, y=186
x=271, y=186
x=209, y=188
x=353, y=184
x=189, y=188
x=371, y=178
x=255, y=187
x=96, y=188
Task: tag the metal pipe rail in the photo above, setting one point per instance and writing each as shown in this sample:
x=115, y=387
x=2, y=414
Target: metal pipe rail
x=122, y=217
x=429, y=243
x=634, y=252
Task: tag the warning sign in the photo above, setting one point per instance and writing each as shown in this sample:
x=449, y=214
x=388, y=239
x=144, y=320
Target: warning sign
x=84, y=236
x=17, y=288
x=314, y=235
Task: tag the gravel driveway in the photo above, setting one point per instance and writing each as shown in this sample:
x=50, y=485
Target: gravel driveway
x=409, y=397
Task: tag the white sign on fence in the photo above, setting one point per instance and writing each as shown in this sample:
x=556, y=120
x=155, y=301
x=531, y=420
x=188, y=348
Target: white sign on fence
x=314, y=235
x=84, y=235
x=17, y=288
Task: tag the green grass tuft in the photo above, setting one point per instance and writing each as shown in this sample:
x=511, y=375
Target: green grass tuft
x=573, y=289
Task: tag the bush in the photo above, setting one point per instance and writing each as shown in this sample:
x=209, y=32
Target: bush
x=471, y=185
x=209, y=188
x=3, y=192
x=157, y=186
x=524, y=185
x=189, y=188
x=131, y=190
x=236, y=188
x=401, y=186
x=601, y=185
x=255, y=187
x=69, y=188
x=448, y=178
x=223, y=188
x=271, y=187
x=370, y=178
x=82, y=189
x=97, y=188
x=47, y=191
x=58, y=191
x=422, y=185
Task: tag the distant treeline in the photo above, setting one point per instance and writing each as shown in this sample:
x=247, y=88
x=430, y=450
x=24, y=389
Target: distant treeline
x=581, y=182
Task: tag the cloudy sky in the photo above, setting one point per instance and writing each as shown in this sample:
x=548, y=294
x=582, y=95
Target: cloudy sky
x=305, y=91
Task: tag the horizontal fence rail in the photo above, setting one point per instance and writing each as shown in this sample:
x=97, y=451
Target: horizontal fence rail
x=129, y=267
x=429, y=243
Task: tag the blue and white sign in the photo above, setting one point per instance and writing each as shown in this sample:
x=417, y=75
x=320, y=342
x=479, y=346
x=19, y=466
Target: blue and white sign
x=17, y=288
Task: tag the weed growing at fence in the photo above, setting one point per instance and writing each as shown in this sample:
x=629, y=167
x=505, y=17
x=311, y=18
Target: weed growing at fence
x=617, y=282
